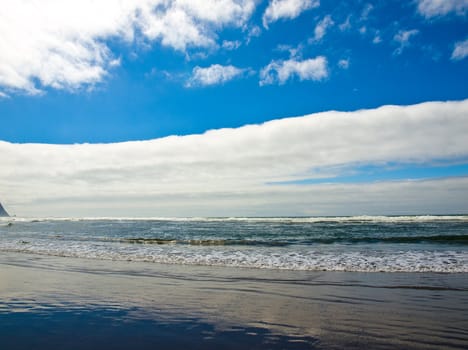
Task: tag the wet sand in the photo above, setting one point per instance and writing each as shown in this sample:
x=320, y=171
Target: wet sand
x=57, y=303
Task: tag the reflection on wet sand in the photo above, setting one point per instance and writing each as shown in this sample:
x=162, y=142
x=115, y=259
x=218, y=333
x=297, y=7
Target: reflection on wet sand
x=50, y=302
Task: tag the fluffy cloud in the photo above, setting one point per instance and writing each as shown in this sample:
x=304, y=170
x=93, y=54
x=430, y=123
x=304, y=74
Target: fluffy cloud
x=377, y=39
x=435, y=8
x=460, y=50
x=321, y=27
x=403, y=38
x=227, y=171
x=343, y=63
x=183, y=23
x=231, y=44
x=278, y=9
x=213, y=75
x=346, y=25
x=62, y=44
x=278, y=72
x=368, y=8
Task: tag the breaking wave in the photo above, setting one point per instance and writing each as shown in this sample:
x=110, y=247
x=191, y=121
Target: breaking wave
x=439, y=239
x=313, y=219
x=452, y=261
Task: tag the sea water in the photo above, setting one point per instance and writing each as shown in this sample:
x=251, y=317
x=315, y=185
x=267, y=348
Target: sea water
x=359, y=243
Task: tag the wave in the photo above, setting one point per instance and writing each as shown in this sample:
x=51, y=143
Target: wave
x=307, y=260
x=460, y=240
x=313, y=219
x=437, y=239
x=204, y=242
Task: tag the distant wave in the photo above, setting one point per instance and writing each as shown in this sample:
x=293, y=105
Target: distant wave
x=313, y=219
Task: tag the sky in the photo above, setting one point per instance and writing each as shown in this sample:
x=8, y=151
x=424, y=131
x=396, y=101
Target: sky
x=233, y=107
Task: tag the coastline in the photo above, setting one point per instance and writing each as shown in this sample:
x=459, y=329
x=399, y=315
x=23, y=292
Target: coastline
x=44, y=300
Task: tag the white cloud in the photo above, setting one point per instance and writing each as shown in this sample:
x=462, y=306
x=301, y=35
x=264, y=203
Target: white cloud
x=253, y=32
x=377, y=39
x=366, y=11
x=460, y=51
x=436, y=8
x=213, y=75
x=321, y=27
x=343, y=64
x=294, y=51
x=278, y=9
x=403, y=38
x=231, y=44
x=62, y=44
x=346, y=25
x=227, y=171
x=278, y=72
x=3, y=95
x=183, y=23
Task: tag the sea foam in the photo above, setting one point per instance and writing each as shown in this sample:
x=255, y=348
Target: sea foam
x=447, y=261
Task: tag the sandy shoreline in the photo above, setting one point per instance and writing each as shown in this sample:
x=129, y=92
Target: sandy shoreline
x=53, y=302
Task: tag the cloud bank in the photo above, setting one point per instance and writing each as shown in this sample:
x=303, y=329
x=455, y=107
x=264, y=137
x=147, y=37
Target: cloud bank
x=63, y=43
x=230, y=171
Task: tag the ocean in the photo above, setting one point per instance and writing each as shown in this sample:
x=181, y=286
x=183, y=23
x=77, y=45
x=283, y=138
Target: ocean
x=367, y=282
x=355, y=244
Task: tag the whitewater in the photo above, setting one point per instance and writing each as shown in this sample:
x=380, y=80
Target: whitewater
x=356, y=243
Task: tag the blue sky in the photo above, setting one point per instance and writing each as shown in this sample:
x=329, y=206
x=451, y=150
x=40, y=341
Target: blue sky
x=146, y=96
x=75, y=72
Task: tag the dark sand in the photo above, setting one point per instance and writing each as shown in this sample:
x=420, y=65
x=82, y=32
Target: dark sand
x=65, y=303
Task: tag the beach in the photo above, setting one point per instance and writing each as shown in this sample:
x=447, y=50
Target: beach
x=49, y=302
x=233, y=174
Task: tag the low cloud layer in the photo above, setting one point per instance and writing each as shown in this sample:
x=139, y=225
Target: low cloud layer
x=230, y=171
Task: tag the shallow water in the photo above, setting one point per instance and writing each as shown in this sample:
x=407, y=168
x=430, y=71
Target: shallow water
x=51, y=302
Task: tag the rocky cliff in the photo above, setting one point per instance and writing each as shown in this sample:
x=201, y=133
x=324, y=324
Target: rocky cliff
x=3, y=211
